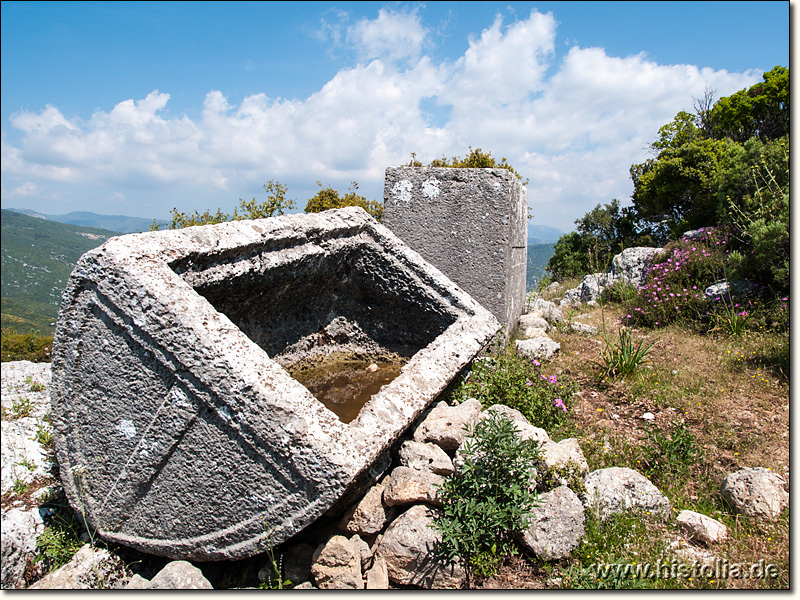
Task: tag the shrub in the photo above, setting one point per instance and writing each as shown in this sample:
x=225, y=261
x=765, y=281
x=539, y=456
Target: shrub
x=619, y=292
x=521, y=383
x=624, y=358
x=32, y=346
x=275, y=204
x=675, y=285
x=490, y=497
x=329, y=198
x=670, y=452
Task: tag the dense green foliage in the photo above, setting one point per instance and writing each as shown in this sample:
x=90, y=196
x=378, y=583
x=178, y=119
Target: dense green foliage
x=275, y=204
x=505, y=377
x=489, y=499
x=37, y=258
x=328, y=198
x=726, y=166
x=475, y=159
x=29, y=346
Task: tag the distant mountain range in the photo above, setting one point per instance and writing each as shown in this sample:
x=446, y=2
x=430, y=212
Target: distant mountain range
x=39, y=252
x=37, y=256
x=118, y=223
x=542, y=234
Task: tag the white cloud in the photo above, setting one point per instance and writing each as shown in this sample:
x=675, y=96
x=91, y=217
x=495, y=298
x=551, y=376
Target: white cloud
x=573, y=128
x=393, y=35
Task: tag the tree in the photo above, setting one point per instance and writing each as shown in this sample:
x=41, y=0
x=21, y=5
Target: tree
x=275, y=204
x=760, y=111
x=570, y=257
x=328, y=198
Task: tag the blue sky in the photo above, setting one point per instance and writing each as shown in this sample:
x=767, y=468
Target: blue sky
x=136, y=108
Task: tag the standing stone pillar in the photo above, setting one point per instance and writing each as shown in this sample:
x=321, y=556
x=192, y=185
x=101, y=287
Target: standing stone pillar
x=469, y=223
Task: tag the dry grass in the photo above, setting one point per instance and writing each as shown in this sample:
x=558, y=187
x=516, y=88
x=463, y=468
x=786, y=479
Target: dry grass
x=730, y=393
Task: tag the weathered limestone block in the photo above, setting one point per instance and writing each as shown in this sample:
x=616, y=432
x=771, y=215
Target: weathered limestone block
x=409, y=485
x=370, y=515
x=337, y=565
x=700, y=527
x=540, y=347
x=619, y=489
x=90, y=568
x=180, y=575
x=525, y=430
x=20, y=528
x=425, y=457
x=469, y=223
x=409, y=549
x=755, y=492
x=378, y=576
x=444, y=425
x=557, y=525
x=564, y=461
x=178, y=430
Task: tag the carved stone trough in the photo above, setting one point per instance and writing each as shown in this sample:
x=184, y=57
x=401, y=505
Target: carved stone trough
x=178, y=430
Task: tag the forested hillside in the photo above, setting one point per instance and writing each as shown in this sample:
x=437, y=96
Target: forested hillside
x=37, y=258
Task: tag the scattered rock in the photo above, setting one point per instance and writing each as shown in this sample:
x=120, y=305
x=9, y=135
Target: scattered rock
x=755, y=492
x=525, y=430
x=20, y=528
x=583, y=328
x=557, y=525
x=89, y=569
x=564, y=461
x=701, y=528
x=619, y=489
x=425, y=457
x=546, y=310
x=370, y=515
x=409, y=485
x=444, y=425
x=541, y=347
x=531, y=323
x=409, y=549
x=378, y=576
x=336, y=565
x=306, y=585
x=648, y=416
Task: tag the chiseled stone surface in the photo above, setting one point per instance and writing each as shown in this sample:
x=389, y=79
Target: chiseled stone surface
x=469, y=223
x=168, y=388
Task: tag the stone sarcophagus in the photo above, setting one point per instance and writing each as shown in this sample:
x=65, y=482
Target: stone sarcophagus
x=178, y=428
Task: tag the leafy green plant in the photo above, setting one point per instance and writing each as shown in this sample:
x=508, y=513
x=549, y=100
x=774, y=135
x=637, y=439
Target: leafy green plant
x=273, y=579
x=19, y=487
x=670, y=452
x=31, y=346
x=624, y=357
x=35, y=386
x=60, y=540
x=275, y=204
x=490, y=496
x=730, y=319
x=619, y=292
x=44, y=435
x=505, y=377
x=20, y=408
x=328, y=198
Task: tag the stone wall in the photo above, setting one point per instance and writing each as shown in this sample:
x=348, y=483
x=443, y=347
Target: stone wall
x=469, y=223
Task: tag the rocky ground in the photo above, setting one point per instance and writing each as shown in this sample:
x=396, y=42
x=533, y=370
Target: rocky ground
x=385, y=539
